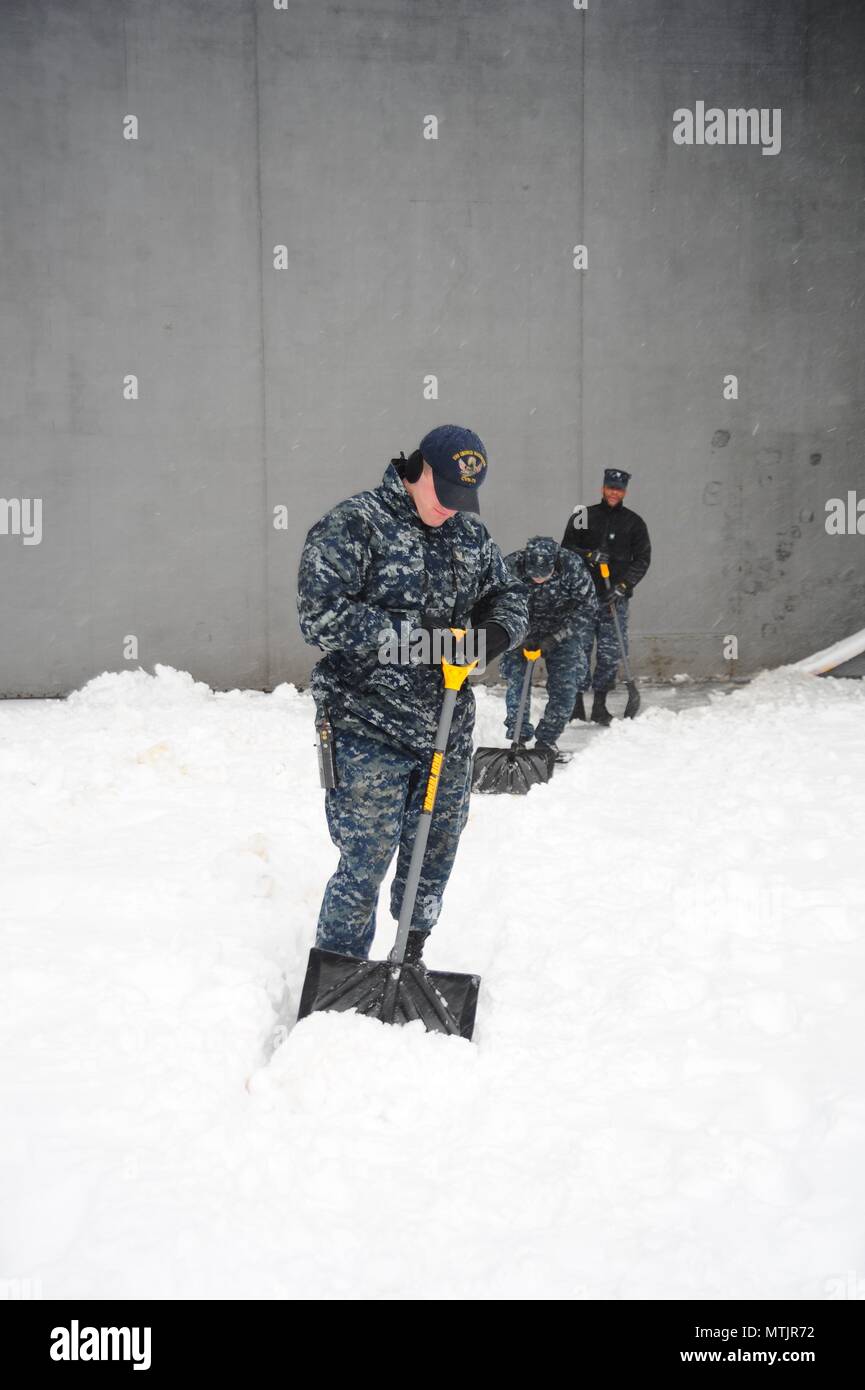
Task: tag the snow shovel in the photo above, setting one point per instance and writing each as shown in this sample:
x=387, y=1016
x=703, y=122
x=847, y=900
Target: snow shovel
x=515, y=769
x=632, y=708
x=390, y=990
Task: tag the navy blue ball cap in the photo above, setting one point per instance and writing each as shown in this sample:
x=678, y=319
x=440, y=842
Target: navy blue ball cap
x=541, y=552
x=458, y=461
x=616, y=477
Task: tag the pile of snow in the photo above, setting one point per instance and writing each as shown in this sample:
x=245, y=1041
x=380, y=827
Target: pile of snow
x=663, y=1098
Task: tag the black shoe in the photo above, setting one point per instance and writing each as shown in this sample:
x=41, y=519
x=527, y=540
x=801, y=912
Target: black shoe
x=551, y=752
x=600, y=713
x=414, y=948
x=579, y=708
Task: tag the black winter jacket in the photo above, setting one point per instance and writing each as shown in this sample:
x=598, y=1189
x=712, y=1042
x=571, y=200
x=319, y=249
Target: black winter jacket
x=371, y=565
x=621, y=533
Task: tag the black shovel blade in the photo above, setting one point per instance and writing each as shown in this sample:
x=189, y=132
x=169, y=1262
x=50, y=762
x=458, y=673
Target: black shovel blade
x=510, y=770
x=632, y=708
x=444, y=1001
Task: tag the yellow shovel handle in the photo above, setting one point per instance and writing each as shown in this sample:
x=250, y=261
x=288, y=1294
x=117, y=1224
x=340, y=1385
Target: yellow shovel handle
x=455, y=676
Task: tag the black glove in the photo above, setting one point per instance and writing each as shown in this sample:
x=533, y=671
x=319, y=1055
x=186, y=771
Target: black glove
x=497, y=638
x=621, y=590
x=442, y=643
x=532, y=643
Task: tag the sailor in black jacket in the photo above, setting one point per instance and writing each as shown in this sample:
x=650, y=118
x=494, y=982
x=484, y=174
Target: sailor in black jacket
x=608, y=531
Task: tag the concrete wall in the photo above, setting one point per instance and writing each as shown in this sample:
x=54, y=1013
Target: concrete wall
x=408, y=257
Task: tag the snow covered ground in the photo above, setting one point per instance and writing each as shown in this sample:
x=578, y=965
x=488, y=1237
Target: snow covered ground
x=664, y=1095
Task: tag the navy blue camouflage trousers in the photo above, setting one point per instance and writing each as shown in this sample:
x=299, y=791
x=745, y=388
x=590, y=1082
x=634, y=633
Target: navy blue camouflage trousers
x=603, y=631
x=372, y=813
x=565, y=671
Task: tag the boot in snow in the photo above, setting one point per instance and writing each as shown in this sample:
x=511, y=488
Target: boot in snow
x=414, y=948
x=579, y=708
x=600, y=713
x=552, y=753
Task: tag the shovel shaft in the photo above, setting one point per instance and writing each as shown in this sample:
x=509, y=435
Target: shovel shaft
x=423, y=826
x=605, y=573
x=628, y=677
x=524, y=698
x=454, y=676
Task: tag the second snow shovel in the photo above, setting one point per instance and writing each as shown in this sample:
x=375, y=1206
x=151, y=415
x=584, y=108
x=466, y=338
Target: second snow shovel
x=390, y=990
x=513, y=770
x=632, y=708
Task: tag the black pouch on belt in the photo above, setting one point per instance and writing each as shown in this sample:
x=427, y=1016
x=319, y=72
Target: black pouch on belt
x=326, y=764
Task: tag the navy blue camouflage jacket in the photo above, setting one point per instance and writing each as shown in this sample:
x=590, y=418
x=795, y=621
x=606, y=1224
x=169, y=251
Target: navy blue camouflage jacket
x=371, y=564
x=557, y=607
